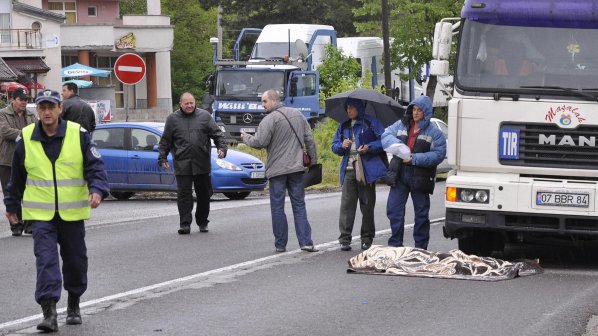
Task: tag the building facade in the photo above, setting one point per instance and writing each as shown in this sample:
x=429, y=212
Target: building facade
x=92, y=33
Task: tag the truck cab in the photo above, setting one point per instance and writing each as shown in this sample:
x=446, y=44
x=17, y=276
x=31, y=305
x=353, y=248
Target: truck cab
x=280, y=60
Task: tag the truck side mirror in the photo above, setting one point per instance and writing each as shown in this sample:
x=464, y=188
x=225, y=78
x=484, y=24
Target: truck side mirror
x=293, y=92
x=210, y=84
x=441, y=48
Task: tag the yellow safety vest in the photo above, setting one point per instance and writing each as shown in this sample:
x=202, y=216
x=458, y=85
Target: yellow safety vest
x=59, y=187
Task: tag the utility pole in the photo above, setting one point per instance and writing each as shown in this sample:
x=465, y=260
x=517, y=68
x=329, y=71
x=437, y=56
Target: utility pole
x=219, y=32
x=386, y=41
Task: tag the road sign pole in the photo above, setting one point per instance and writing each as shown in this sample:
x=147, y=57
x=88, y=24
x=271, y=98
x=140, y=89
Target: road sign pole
x=126, y=95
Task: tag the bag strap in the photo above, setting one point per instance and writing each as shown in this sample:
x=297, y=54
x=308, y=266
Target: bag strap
x=301, y=143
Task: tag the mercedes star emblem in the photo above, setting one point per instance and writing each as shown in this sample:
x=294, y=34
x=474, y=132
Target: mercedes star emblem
x=247, y=118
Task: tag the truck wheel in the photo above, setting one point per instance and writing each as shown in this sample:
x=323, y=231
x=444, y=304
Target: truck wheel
x=237, y=195
x=478, y=243
x=122, y=195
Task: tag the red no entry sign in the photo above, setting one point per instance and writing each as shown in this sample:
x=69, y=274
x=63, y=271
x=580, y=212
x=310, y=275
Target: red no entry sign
x=129, y=68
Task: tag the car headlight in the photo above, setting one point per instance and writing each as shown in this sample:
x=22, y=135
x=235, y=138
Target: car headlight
x=227, y=165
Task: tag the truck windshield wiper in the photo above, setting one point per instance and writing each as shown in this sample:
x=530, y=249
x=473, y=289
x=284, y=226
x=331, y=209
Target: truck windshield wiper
x=579, y=93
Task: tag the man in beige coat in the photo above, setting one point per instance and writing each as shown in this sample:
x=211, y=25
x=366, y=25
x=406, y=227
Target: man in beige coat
x=12, y=120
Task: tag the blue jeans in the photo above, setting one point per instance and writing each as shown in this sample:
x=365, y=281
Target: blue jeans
x=278, y=186
x=395, y=210
x=71, y=238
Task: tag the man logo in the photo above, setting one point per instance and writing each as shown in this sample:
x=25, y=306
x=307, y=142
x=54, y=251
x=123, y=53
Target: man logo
x=247, y=118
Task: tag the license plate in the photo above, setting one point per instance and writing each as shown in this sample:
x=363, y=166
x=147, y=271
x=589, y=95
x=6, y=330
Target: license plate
x=248, y=129
x=258, y=174
x=566, y=199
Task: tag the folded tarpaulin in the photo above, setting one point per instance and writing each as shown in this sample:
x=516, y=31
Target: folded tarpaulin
x=410, y=261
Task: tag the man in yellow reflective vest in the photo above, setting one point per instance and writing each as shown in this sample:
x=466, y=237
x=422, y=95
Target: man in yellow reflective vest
x=58, y=176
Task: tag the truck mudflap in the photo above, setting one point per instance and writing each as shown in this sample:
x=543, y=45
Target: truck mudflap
x=460, y=223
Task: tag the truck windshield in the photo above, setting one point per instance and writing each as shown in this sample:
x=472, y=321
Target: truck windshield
x=248, y=83
x=273, y=50
x=520, y=59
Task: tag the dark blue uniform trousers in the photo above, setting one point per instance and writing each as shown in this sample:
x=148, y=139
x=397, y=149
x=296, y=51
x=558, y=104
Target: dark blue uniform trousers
x=71, y=238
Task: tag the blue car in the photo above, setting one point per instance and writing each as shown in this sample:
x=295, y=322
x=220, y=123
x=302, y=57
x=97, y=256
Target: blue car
x=130, y=152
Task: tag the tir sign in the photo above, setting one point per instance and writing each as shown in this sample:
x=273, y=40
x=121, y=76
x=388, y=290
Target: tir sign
x=129, y=68
x=508, y=144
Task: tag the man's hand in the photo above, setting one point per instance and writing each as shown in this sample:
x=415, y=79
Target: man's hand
x=347, y=143
x=408, y=161
x=221, y=154
x=165, y=165
x=94, y=200
x=243, y=134
x=12, y=218
x=363, y=149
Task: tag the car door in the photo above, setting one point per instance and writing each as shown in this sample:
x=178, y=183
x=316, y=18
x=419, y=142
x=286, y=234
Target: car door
x=110, y=144
x=143, y=159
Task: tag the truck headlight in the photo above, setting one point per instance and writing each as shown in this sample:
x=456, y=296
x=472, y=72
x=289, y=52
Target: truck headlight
x=227, y=165
x=467, y=195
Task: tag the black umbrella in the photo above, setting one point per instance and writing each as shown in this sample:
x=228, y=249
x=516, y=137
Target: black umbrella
x=386, y=109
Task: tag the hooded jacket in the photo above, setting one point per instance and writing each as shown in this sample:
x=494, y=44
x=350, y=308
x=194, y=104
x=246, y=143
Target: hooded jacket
x=429, y=149
x=374, y=165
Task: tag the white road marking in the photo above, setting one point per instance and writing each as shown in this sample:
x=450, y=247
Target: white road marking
x=329, y=246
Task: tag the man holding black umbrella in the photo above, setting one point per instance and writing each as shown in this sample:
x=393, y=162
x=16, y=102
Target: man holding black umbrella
x=357, y=140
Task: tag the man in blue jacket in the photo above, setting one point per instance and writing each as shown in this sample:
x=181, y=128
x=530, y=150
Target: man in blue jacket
x=357, y=140
x=59, y=176
x=416, y=174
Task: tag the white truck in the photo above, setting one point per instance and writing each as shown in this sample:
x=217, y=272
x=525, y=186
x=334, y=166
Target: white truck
x=523, y=122
x=369, y=51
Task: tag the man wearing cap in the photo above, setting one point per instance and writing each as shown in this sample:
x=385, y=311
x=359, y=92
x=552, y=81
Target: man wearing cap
x=12, y=120
x=58, y=175
x=76, y=109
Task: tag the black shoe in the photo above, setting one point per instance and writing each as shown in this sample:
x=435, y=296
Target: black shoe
x=365, y=246
x=27, y=227
x=185, y=230
x=204, y=228
x=346, y=247
x=280, y=249
x=73, y=313
x=17, y=229
x=49, y=324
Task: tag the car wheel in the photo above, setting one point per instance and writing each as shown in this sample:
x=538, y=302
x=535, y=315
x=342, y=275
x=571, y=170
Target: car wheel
x=122, y=195
x=237, y=195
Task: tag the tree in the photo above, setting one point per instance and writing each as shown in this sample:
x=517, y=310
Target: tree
x=256, y=14
x=337, y=71
x=411, y=27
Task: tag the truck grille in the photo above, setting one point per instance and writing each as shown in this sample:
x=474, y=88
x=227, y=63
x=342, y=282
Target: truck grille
x=238, y=118
x=532, y=153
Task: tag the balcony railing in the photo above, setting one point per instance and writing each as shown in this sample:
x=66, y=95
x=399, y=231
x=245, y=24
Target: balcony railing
x=20, y=39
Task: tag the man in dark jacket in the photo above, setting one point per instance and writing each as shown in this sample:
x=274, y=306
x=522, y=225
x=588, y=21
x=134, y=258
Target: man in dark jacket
x=76, y=109
x=187, y=135
x=58, y=176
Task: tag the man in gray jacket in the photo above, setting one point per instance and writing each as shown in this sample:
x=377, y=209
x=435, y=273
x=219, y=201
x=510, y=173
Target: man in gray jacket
x=12, y=120
x=187, y=135
x=284, y=167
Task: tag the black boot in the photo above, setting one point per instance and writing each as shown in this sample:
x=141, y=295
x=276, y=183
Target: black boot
x=73, y=314
x=49, y=324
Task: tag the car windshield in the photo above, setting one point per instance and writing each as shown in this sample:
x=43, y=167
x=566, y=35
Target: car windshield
x=520, y=59
x=248, y=83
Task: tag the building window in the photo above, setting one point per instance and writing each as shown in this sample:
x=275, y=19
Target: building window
x=66, y=8
x=92, y=11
